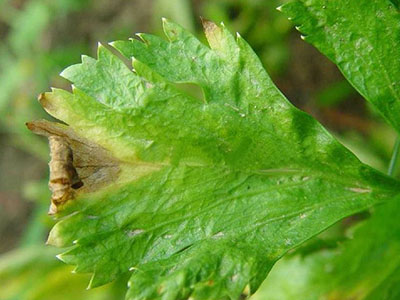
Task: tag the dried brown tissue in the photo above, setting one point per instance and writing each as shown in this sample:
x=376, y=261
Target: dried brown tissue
x=77, y=165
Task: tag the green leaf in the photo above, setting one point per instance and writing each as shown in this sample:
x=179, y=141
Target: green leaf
x=33, y=273
x=362, y=38
x=195, y=197
x=364, y=267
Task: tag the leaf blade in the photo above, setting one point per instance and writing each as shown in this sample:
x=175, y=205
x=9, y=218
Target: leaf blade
x=244, y=174
x=351, y=34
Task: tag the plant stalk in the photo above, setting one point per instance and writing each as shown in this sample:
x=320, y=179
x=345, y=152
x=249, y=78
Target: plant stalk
x=395, y=156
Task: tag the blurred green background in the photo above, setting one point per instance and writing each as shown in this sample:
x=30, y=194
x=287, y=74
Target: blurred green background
x=38, y=38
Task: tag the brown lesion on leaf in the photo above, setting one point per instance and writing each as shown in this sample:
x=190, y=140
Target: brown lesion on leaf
x=209, y=26
x=213, y=33
x=77, y=165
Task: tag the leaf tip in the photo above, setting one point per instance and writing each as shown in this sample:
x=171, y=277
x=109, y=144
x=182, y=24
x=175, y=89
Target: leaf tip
x=43, y=99
x=246, y=290
x=209, y=26
x=30, y=125
x=60, y=257
x=52, y=209
x=141, y=37
x=298, y=28
x=213, y=33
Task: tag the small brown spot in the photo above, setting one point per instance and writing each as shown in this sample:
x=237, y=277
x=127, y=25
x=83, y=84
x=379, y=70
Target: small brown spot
x=77, y=185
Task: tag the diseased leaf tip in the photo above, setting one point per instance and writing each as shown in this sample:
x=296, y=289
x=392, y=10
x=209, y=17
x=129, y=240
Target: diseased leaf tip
x=29, y=125
x=41, y=97
x=43, y=100
x=77, y=165
x=213, y=33
x=208, y=25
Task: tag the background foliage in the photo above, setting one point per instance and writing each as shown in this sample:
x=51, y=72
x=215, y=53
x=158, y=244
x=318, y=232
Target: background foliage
x=39, y=38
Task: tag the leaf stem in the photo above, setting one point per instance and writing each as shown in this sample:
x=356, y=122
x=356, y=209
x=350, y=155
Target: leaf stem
x=394, y=159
